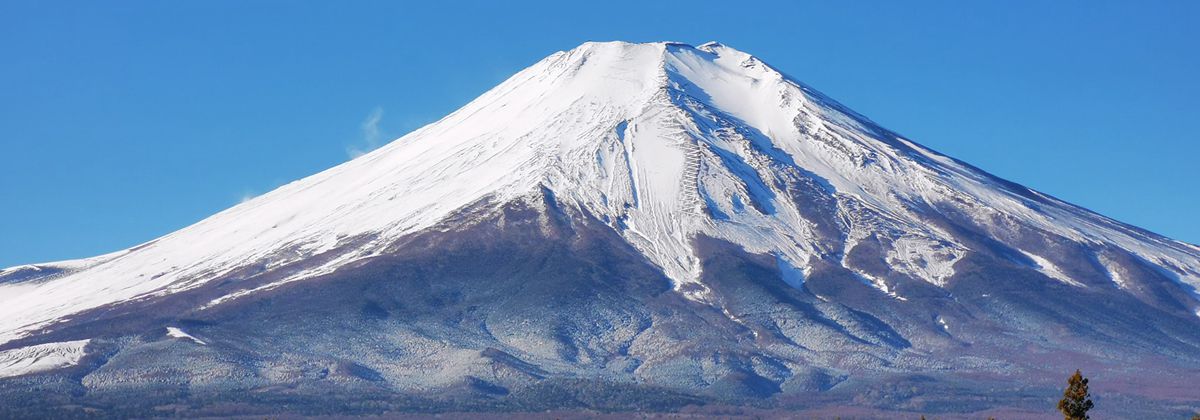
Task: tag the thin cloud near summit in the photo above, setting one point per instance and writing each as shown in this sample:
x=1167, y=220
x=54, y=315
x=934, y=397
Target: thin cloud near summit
x=371, y=134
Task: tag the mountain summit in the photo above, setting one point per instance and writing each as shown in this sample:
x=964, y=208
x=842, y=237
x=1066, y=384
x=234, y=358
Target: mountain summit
x=688, y=222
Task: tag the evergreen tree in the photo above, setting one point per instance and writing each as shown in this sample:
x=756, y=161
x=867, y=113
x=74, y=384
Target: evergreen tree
x=1075, y=402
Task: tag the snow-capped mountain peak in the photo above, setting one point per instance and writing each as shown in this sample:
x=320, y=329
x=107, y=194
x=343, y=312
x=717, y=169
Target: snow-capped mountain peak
x=663, y=142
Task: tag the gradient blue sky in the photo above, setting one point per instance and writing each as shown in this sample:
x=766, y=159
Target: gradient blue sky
x=122, y=121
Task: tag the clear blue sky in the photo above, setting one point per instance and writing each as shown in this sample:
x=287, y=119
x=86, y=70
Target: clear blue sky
x=123, y=121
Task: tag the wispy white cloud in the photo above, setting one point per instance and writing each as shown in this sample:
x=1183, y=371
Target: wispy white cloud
x=247, y=196
x=371, y=135
x=251, y=193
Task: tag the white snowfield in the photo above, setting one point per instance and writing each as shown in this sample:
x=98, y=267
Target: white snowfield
x=176, y=332
x=656, y=139
x=41, y=358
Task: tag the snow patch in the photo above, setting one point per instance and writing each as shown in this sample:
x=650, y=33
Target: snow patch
x=878, y=283
x=1050, y=270
x=791, y=275
x=1114, y=271
x=41, y=358
x=925, y=258
x=175, y=332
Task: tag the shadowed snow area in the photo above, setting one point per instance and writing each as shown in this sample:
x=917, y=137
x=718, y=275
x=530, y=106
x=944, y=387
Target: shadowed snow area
x=828, y=246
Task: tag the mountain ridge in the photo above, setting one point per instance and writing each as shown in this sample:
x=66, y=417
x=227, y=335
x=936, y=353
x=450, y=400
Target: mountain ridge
x=685, y=186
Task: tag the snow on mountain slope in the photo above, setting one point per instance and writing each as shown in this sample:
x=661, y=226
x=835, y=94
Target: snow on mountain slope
x=175, y=332
x=663, y=141
x=40, y=358
x=49, y=271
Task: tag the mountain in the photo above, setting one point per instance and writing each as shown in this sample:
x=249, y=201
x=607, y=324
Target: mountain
x=620, y=226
